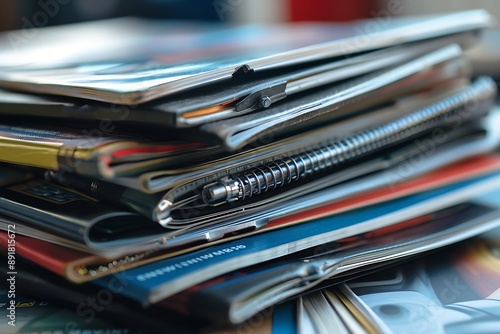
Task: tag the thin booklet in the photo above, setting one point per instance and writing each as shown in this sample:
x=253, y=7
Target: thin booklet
x=93, y=153
x=130, y=68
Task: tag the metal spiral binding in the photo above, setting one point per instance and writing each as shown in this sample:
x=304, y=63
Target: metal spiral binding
x=283, y=171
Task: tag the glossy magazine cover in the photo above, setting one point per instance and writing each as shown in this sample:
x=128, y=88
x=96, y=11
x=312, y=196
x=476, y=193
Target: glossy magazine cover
x=453, y=291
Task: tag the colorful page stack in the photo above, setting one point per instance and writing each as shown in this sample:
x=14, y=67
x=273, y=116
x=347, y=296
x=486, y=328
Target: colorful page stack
x=196, y=177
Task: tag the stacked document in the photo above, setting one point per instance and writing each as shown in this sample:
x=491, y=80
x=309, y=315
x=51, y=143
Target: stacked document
x=192, y=176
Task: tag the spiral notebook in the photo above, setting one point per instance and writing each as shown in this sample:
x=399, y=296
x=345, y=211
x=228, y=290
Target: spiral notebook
x=206, y=202
x=252, y=179
x=78, y=265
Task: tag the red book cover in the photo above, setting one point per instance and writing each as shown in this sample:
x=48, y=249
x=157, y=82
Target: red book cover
x=58, y=259
x=329, y=10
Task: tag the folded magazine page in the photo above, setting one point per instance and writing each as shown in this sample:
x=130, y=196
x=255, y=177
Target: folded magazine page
x=336, y=101
x=452, y=291
x=94, y=226
x=222, y=100
x=131, y=69
x=240, y=295
x=76, y=312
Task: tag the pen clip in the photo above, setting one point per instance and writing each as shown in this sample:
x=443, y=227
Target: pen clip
x=262, y=98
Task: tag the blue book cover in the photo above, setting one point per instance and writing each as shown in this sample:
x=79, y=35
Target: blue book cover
x=155, y=281
x=284, y=318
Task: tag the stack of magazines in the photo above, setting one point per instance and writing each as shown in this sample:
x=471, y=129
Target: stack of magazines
x=171, y=176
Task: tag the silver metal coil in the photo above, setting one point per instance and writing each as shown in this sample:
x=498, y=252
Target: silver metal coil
x=337, y=151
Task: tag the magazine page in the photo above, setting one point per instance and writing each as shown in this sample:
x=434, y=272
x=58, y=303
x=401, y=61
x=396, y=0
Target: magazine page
x=151, y=65
x=237, y=295
x=454, y=291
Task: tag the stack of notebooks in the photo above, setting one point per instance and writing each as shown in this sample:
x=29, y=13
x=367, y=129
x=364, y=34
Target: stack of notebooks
x=185, y=177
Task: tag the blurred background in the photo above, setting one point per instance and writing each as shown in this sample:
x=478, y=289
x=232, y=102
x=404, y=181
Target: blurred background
x=14, y=13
